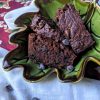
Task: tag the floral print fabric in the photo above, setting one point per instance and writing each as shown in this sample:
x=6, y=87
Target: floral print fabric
x=6, y=6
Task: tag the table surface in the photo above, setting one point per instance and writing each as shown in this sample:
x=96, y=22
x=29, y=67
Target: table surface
x=14, y=87
x=48, y=89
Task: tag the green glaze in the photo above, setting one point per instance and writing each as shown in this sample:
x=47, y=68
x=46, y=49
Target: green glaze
x=33, y=72
x=97, y=42
x=78, y=72
x=95, y=22
x=54, y=5
x=90, y=14
x=81, y=6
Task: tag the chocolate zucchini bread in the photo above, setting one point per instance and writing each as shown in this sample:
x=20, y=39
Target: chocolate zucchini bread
x=71, y=24
x=47, y=45
x=55, y=45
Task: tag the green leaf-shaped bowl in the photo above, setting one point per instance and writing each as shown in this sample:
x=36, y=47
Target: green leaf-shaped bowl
x=87, y=65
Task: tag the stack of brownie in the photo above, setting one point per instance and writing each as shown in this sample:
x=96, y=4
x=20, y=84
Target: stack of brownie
x=58, y=45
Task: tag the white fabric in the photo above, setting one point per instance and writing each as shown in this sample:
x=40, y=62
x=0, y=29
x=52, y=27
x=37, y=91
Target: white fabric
x=49, y=89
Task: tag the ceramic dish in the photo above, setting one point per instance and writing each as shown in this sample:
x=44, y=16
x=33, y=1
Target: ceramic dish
x=88, y=63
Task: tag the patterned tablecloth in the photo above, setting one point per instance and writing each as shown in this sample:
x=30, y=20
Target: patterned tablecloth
x=14, y=87
x=4, y=31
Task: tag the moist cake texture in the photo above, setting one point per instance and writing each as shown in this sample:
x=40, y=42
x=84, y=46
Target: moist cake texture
x=47, y=45
x=71, y=24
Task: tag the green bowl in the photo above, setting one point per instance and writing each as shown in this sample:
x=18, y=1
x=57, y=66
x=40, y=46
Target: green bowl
x=89, y=12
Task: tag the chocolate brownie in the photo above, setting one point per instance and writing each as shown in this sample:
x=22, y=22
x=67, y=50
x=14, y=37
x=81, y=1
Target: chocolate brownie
x=45, y=27
x=45, y=45
x=71, y=24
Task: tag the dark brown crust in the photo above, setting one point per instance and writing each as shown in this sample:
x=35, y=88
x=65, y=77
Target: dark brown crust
x=71, y=24
x=45, y=44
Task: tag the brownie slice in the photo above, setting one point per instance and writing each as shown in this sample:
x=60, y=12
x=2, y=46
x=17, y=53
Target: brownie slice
x=45, y=27
x=45, y=47
x=71, y=24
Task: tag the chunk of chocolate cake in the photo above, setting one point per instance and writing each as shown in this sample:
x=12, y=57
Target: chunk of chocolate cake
x=45, y=45
x=71, y=24
x=45, y=28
